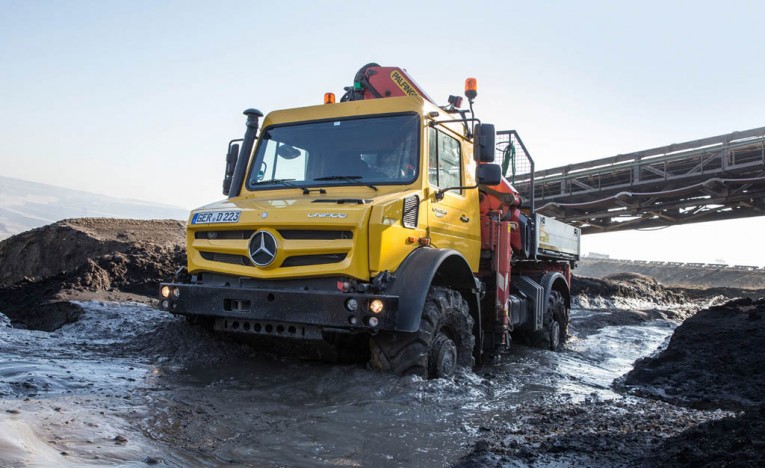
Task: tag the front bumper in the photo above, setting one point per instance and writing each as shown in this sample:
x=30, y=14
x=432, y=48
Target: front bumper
x=263, y=307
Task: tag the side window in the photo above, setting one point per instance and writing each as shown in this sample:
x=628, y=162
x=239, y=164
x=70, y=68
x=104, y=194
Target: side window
x=444, y=168
x=433, y=156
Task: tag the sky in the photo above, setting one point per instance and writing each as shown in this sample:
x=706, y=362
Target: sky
x=138, y=99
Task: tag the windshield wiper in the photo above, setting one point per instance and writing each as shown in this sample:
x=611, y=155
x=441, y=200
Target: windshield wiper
x=287, y=183
x=347, y=178
x=274, y=181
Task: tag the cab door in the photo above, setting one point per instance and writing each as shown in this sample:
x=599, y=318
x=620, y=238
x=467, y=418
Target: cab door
x=450, y=221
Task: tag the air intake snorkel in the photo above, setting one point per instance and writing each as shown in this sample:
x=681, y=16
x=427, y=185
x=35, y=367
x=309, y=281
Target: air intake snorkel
x=250, y=135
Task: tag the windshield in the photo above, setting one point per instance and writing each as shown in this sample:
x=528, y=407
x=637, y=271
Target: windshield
x=362, y=151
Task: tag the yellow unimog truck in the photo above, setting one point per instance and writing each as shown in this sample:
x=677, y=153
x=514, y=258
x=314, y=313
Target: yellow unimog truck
x=380, y=225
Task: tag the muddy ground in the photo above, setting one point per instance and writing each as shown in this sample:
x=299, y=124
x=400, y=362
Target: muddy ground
x=91, y=372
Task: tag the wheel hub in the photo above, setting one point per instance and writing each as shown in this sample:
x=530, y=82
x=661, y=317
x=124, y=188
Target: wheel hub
x=443, y=357
x=554, y=335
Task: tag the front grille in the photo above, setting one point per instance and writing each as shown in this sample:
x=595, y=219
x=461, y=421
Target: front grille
x=297, y=235
x=226, y=258
x=223, y=235
x=320, y=259
x=310, y=234
x=411, y=211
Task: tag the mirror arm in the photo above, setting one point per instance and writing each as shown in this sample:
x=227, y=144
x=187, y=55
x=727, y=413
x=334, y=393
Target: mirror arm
x=464, y=121
x=440, y=193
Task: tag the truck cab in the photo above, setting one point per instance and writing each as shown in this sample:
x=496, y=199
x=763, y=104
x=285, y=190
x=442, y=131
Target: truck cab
x=345, y=190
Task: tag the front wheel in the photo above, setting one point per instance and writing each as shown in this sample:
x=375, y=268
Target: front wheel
x=443, y=342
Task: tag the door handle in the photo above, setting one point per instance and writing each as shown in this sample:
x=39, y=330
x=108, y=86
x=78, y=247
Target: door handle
x=464, y=219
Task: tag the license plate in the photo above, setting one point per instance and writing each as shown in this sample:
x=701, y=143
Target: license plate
x=210, y=217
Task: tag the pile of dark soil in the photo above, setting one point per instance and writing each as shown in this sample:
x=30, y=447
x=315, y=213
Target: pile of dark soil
x=715, y=359
x=630, y=285
x=687, y=276
x=729, y=292
x=44, y=269
x=656, y=302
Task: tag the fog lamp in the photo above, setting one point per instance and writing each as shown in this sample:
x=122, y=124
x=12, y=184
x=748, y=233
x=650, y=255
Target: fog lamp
x=373, y=321
x=376, y=306
x=165, y=304
x=351, y=305
x=165, y=291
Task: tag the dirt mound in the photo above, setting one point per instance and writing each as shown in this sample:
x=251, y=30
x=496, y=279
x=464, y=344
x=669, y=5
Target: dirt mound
x=686, y=275
x=41, y=270
x=715, y=359
x=67, y=245
x=729, y=292
x=628, y=285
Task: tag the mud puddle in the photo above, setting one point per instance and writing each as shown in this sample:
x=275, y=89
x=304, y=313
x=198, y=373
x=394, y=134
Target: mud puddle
x=128, y=384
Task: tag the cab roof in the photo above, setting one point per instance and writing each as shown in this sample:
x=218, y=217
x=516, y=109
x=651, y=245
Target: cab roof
x=392, y=105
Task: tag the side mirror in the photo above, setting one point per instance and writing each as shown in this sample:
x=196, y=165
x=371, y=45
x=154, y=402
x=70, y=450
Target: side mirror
x=483, y=143
x=231, y=157
x=488, y=174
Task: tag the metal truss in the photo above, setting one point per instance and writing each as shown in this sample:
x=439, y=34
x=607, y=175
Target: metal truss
x=711, y=179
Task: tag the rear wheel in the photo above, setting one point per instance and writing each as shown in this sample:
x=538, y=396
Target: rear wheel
x=443, y=342
x=555, y=324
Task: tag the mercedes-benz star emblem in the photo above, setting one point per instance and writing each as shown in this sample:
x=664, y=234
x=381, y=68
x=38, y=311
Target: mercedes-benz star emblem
x=262, y=248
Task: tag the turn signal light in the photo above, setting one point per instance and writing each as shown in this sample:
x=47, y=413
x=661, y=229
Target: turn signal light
x=471, y=88
x=424, y=241
x=329, y=98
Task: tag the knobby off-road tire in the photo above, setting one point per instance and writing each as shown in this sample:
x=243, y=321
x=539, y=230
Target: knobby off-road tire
x=443, y=342
x=555, y=324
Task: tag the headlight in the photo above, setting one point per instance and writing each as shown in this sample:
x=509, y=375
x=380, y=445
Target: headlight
x=351, y=305
x=165, y=291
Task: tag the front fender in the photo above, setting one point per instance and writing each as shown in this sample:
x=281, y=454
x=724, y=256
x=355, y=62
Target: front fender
x=421, y=269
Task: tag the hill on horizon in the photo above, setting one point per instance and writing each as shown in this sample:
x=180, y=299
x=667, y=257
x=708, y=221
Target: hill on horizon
x=26, y=205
